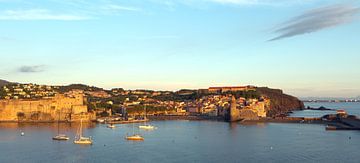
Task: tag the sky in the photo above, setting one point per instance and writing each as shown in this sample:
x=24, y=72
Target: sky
x=305, y=47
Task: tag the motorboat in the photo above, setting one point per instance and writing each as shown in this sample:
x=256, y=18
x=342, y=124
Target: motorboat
x=60, y=137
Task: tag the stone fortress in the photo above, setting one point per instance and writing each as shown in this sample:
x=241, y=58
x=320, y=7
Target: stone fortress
x=252, y=112
x=70, y=107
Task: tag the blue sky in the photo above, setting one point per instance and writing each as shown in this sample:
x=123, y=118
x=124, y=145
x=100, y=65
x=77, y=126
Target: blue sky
x=174, y=44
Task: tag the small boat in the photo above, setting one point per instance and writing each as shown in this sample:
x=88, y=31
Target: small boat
x=83, y=140
x=135, y=137
x=111, y=126
x=60, y=137
x=147, y=127
x=80, y=139
x=100, y=120
x=22, y=134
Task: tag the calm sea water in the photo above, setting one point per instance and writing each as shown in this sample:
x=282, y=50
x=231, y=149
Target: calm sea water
x=182, y=141
x=352, y=108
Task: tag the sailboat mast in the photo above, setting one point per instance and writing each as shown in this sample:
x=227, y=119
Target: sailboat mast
x=145, y=111
x=58, y=122
x=80, y=128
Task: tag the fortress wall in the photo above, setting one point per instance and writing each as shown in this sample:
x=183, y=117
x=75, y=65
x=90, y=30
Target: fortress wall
x=77, y=109
x=252, y=112
x=60, y=106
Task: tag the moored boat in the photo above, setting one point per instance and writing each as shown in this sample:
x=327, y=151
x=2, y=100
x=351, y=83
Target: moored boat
x=135, y=137
x=83, y=140
x=61, y=137
x=111, y=126
x=100, y=120
x=80, y=139
x=147, y=127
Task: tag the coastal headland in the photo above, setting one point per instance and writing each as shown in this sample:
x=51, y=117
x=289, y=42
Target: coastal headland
x=31, y=103
x=46, y=103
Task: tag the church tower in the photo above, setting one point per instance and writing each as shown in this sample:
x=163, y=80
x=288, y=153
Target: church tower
x=233, y=110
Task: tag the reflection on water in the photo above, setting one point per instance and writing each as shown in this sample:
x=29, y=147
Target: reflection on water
x=352, y=108
x=49, y=127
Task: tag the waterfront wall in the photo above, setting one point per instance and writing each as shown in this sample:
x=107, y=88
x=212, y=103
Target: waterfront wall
x=64, y=107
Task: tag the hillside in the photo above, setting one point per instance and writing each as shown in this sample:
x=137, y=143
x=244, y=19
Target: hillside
x=80, y=87
x=280, y=102
x=3, y=82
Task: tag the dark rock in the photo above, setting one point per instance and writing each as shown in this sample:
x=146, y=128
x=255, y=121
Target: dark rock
x=320, y=108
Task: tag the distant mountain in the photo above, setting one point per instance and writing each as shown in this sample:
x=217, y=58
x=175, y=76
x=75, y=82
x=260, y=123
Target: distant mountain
x=4, y=82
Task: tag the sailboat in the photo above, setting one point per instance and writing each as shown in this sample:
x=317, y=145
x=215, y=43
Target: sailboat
x=60, y=136
x=135, y=137
x=80, y=139
x=146, y=126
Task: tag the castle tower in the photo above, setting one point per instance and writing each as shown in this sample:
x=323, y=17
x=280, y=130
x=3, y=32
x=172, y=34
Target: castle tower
x=233, y=111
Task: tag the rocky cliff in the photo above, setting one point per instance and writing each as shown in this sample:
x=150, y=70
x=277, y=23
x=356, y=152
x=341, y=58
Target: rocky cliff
x=280, y=102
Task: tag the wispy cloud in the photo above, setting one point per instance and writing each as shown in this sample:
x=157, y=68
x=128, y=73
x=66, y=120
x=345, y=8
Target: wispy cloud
x=239, y=2
x=262, y=2
x=159, y=37
x=31, y=69
x=317, y=19
x=113, y=7
x=38, y=14
x=6, y=39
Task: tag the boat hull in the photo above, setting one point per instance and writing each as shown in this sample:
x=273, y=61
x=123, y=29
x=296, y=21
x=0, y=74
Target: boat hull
x=134, y=138
x=60, y=138
x=147, y=127
x=83, y=142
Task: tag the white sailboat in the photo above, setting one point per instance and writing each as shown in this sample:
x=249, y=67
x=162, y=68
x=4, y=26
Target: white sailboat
x=134, y=137
x=146, y=126
x=60, y=136
x=80, y=139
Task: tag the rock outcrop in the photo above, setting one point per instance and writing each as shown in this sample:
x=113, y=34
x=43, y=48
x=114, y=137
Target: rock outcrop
x=280, y=103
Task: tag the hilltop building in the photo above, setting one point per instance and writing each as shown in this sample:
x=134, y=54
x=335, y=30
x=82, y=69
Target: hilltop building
x=230, y=89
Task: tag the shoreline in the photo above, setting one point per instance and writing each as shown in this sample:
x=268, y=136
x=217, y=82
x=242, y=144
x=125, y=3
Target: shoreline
x=338, y=124
x=184, y=117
